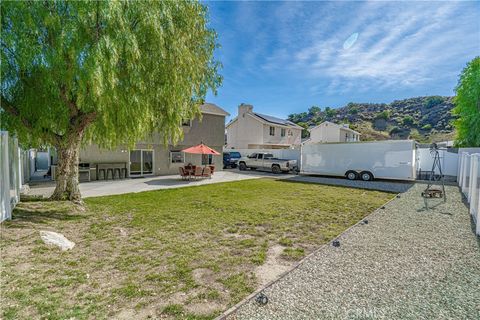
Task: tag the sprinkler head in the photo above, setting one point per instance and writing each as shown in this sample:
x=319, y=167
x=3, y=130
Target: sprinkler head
x=365, y=221
x=336, y=243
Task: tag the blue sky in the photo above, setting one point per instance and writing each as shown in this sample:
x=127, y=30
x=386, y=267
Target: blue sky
x=284, y=57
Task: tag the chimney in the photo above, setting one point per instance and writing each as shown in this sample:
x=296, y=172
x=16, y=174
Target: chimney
x=244, y=108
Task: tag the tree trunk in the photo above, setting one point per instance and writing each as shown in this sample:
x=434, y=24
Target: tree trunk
x=67, y=169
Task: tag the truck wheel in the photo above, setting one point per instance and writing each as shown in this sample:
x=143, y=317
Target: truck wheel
x=242, y=166
x=366, y=176
x=276, y=169
x=351, y=175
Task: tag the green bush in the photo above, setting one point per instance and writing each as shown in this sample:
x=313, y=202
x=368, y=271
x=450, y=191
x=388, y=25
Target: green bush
x=408, y=120
x=428, y=126
x=433, y=101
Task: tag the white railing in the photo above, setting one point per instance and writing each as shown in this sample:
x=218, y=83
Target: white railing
x=469, y=183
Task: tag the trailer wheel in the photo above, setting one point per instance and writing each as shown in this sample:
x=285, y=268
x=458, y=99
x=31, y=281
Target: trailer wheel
x=351, y=175
x=366, y=176
x=242, y=166
x=276, y=169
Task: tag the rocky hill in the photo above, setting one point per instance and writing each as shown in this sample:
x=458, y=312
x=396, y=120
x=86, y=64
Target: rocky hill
x=425, y=119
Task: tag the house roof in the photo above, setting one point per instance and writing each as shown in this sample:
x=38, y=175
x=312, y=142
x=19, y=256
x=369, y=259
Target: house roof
x=211, y=108
x=337, y=125
x=268, y=119
x=275, y=120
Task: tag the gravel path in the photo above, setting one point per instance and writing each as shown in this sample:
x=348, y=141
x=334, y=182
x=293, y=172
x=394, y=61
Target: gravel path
x=406, y=263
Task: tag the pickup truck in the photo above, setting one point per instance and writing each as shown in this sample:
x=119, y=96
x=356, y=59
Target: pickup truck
x=266, y=161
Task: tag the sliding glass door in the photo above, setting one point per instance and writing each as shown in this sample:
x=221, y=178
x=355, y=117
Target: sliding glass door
x=141, y=162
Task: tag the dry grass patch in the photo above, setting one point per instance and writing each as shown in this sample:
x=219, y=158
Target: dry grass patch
x=185, y=253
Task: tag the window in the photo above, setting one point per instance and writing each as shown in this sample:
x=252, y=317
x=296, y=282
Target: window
x=260, y=156
x=290, y=133
x=207, y=159
x=186, y=123
x=268, y=156
x=177, y=157
x=282, y=132
x=252, y=156
x=272, y=131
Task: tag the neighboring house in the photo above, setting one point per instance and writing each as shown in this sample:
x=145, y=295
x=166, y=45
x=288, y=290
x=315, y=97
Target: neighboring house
x=152, y=157
x=251, y=130
x=331, y=132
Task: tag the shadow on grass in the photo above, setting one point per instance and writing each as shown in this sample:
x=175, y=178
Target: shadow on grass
x=42, y=212
x=169, y=182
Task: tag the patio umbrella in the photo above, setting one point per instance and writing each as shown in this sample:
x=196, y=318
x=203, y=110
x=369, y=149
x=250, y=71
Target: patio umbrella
x=201, y=149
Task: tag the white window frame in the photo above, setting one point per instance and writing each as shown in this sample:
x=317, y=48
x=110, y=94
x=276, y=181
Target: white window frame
x=272, y=129
x=171, y=156
x=283, y=132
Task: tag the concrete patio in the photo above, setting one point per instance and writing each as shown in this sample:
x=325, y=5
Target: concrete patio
x=112, y=187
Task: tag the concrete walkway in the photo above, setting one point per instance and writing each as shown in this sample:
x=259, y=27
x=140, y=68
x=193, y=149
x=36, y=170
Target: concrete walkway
x=406, y=263
x=104, y=188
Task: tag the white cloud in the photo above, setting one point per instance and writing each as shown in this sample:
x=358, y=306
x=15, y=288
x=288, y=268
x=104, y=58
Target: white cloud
x=400, y=44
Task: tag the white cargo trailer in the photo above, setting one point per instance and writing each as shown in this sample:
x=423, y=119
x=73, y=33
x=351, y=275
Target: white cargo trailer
x=392, y=159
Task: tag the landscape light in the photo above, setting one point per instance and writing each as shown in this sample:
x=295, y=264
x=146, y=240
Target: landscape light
x=261, y=299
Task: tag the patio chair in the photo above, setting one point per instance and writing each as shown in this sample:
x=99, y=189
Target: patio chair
x=183, y=173
x=198, y=172
x=212, y=168
x=207, y=173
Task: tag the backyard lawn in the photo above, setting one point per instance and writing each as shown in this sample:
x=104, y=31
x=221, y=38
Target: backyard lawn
x=186, y=253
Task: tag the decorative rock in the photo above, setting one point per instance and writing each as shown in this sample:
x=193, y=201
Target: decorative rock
x=57, y=239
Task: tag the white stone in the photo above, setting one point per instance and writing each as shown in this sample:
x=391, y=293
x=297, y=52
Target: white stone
x=58, y=239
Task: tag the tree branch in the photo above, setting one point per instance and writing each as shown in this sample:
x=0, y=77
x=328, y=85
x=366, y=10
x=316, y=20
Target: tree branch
x=70, y=104
x=13, y=111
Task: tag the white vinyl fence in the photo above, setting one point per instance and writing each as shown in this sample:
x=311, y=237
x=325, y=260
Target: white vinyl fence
x=469, y=183
x=11, y=163
x=448, y=160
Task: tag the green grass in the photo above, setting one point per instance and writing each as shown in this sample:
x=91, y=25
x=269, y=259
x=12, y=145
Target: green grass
x=143, y=251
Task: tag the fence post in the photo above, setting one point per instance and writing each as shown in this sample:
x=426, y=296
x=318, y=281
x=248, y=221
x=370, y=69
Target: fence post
x=473, y=196
x=5, y=207
x=465, y=169
x=460, y=168
x=471, y=176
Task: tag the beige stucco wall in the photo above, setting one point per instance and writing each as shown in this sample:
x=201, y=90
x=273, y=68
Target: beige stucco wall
x=244, y=131
x=325, y=132
x=248, y=131
x=294, y=139
x=210, y=130
x=328, y=132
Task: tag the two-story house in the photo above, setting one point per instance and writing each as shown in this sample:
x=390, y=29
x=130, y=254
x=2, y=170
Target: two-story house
x=152, y=157
x=252, y=130
x=328, y=131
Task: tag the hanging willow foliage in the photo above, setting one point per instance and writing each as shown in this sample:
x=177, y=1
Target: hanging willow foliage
x=107, y=72
x=467, y=106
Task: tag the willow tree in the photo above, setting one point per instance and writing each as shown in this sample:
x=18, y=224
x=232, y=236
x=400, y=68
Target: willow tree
x=106, y=72
x=467, y=106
